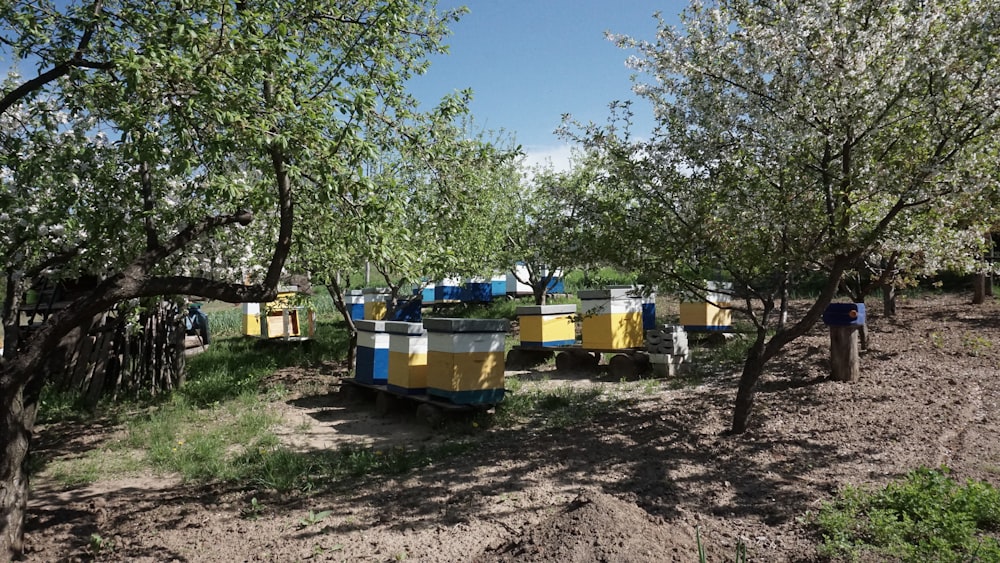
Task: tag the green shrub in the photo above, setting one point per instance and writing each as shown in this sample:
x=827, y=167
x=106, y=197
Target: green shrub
x=926, y=516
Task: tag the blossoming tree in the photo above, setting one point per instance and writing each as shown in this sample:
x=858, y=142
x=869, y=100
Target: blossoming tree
x=142, y=139
x=796, y=137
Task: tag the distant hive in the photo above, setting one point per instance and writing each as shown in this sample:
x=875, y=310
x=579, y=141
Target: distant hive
x=376, y=303
x=713, y=314
x=354, y=300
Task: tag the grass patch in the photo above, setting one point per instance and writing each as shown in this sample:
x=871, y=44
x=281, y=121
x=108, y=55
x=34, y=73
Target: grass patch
x=198, y=443
x=94, y=465
x=716, y=360
x=282, y=469
x=926, y=516
x=60, y=406
x=233, y=442
x=560, y=407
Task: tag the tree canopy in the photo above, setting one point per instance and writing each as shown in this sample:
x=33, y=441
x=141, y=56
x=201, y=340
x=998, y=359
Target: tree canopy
x=798, y=137
x=163, y=148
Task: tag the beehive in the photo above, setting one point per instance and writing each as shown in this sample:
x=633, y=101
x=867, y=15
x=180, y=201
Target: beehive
x=354, y=299
x=448, y=290
x=426, y=293
x=407, y=357
x=407, y=310
x=284, y=318
x=648, y=304
x=251, y=319
x=710, y=315
x=547, y=325
x=476, y=290
x=612, y=319
x=373, y=353
x=498, y=286
x=649, y=312
x=518, y=288
x=376, y=303
x=465, y=359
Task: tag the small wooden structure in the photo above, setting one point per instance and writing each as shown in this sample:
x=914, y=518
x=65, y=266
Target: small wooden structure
x=285, y=318
x=844, y=320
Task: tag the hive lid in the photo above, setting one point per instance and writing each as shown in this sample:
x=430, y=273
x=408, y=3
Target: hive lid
x=403, y=327
x=370, y=326
x=466, y=325
x=546, y=309
x=379, y=290
x=610, y=293
x=354, y=292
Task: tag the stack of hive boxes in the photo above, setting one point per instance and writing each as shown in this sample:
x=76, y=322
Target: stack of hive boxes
x=457, y=360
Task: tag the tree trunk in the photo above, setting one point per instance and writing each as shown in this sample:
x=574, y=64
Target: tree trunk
x=990, y=257
x=337, y=294
x=352, y=351
x=783, y=305
x=753, y=367
x=539, y=291
x=15, y=439
x=979, y=289
x=889, y=300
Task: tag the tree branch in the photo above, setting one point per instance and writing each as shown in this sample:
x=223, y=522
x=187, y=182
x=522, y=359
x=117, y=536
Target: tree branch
x=61, y=69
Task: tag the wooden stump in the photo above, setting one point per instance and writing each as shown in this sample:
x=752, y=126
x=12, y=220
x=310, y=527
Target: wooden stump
x=844, y=362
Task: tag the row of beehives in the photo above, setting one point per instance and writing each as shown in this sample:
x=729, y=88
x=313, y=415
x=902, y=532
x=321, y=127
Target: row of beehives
x=456, y=360
x=615, y=319
x=372, y=303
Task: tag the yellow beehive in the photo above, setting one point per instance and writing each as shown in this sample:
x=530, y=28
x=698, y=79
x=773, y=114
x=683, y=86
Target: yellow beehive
x=407, y=357
x=465, y=359
x=547, y=325
x=712, y=314
x=705, y=316
x=612, y=319
x=376, y=303
x=251, y=319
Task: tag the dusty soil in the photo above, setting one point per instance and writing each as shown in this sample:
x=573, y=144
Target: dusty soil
x=631, y=485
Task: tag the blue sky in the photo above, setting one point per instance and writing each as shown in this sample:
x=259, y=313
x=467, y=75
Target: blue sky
x=530, y=61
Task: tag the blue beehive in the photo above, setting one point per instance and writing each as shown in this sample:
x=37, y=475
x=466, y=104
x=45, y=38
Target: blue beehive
x=408, y=310
x=556, y=285
x=498, y=286
x=844, y=314
x=649, y=312
x=448, y=290
x=426, y=293
x=477, y=291
x=373, y=353
x=354, y=299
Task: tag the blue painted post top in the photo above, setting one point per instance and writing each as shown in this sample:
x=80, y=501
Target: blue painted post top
x=844, y=314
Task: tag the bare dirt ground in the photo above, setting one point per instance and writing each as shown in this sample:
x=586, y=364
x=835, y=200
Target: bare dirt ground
x=632, y=485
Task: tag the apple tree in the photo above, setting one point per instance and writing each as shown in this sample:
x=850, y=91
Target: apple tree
x=797, y=137
x=144, y=141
